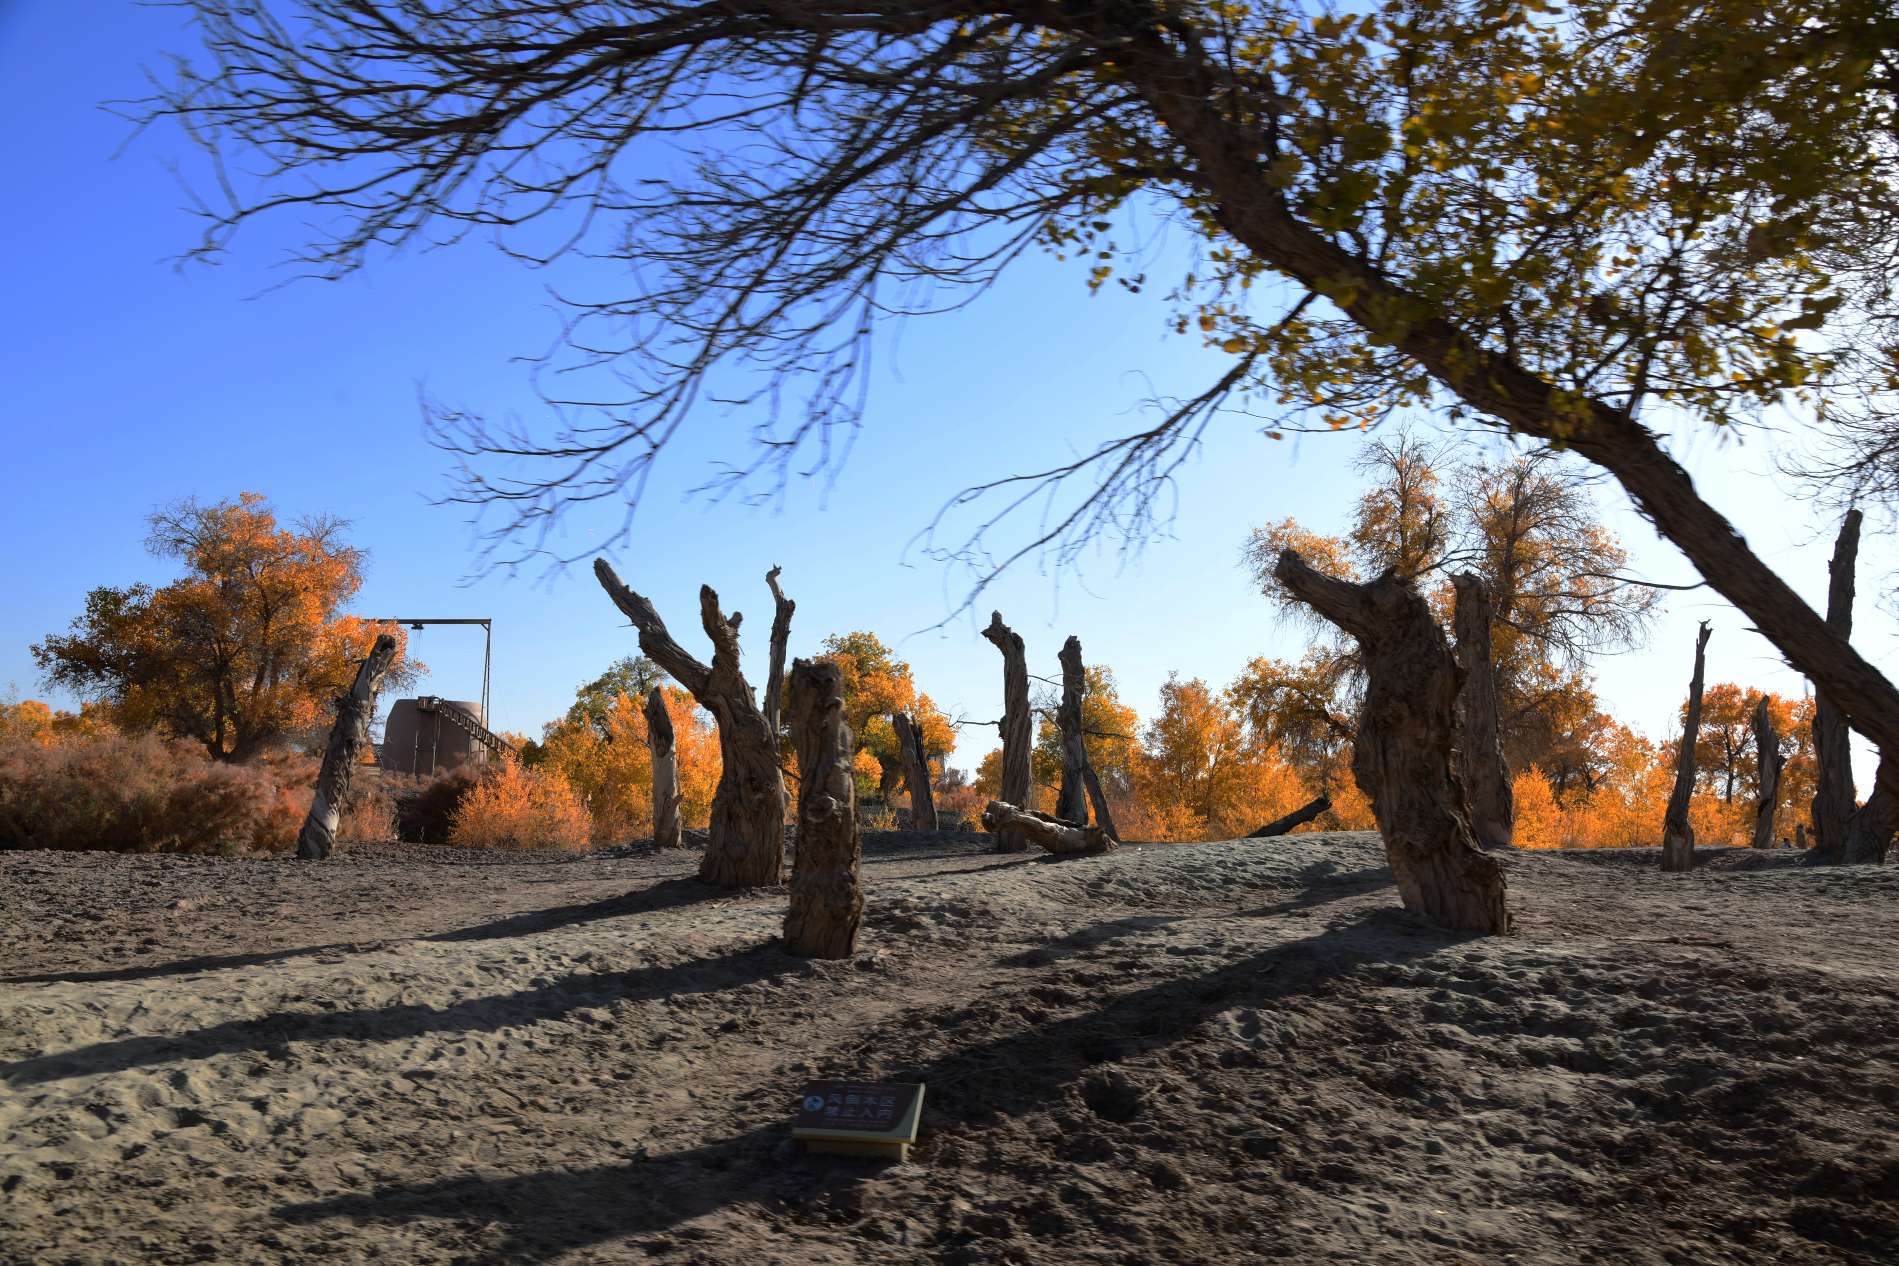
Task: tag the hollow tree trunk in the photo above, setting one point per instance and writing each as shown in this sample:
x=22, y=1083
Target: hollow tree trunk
x=1402, y=756
x=1767, y=758
x=827, y=901
x=1833, y=797
x=782, y=607
x=916, y=771
x=1071, y=805
x=1870, y=831
x=667, y=832
x=1017, y=738
x=347, y=736
x=1050, y=833
x=1298, y=817
x=746, y=843
x=1485, y=777
x=1678, y=833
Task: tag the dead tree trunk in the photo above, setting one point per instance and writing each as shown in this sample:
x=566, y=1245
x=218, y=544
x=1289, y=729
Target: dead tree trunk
x=667, y=830
x=1104, y=817
x=1480, y=755
x=1402, y=756
x=1071, y=805
x=746, y=843
x=1767, y=757
x=1017, y=737
x=1678, y=833
x=1052, y=834
x=1298, y=817
x=782, y=607
x=916, y=771
x=1870, y=831
x=347, y=736
x=1832, y=746
x=827, y=902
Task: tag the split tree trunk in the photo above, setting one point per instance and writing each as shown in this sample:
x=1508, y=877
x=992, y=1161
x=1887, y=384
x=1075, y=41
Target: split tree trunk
x=1870, y=831
x=347, y=736
x=1298, y=817
x=1678, y=833
x=827, y=901
x=1833, y=796
x=1050, y=833
x=916, y=771
x=667, y=829
x=1767, y=758
x=782, y=607
x=1480, y=755
x=1017, y=737
x=1104, y=817
x=1402, y=756
x=1071, y=805
x=746, y=843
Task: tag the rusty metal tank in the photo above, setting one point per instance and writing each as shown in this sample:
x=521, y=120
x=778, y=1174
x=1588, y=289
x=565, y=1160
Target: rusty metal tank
x=419, y=739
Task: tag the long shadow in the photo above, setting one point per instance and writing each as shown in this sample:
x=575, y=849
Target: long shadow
x=555, y=1212
x=1325, y=883
x=271, y=1034
x=179, y=966
x=1091, y=937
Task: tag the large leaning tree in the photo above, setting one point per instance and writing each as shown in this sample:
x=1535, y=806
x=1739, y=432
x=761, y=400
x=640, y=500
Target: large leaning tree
x=1574, y=222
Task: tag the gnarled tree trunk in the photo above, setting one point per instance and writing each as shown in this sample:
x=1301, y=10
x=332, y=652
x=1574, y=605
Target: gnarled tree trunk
x=1767, y=758
x=827, y=902
x=1402, y=756
x=782, y=607
x=1071, y=804
x=916, y=771
x=745, y=846
x=347, y=736
x=1678, y=833
x=667, y=829
x=1870, y=831
x=1833, y=796
x=1298, y=817
x=1017, y=737
x=1052, y=834
x=1480, y=755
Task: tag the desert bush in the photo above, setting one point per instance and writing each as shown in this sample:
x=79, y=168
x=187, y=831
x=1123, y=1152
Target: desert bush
x=516, y=807
x=876, y=817
x=425, y=807
x=960, y=808
x=370, y=816
x=139, y=794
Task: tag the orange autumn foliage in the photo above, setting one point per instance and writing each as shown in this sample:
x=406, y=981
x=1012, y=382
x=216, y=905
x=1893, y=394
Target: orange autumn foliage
x=607, y=761
x=512, y=806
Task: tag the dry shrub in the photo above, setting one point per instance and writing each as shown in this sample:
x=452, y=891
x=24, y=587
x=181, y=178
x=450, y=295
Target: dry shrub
x=876, y=817
x=139, y=794
x=517, y=807
x=960, y=808
x=425, y=808
x=371, y=815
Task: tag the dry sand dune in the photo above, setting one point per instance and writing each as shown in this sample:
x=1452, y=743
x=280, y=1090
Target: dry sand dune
x=1197, y=1053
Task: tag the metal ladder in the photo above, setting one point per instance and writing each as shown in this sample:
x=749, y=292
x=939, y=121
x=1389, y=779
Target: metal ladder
x=492, y=742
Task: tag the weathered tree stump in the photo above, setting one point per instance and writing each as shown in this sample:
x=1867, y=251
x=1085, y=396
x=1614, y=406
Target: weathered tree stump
x=745, y=846
x=347, y=735
x=1485, y=776
x=1298, y=817
x=827, y=901
x=1767, y=758
x=916, y=771
x=1049, y=832
x=1678, y=833
x=1402, y=756
x=782, y=607
x=1071, y=802
x=1833, y=794
x=1018, y=739
x=668, y=831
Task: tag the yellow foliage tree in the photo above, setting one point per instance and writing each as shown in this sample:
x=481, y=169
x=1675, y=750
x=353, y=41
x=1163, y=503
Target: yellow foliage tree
x=605, y=757
x=517, y=807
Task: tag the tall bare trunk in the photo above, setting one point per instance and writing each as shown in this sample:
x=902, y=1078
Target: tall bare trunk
x=1017, y=738
x=1480, y=754
x=1833, y=796
x=916, y=771
x=345, y=748
x=667, y=832
x=1870, y=831
x=1678, y=833
x=746, y=843
x=1767, y=757
x=782, y=607
x=1402, y=757
x=827, y=901
x=1071, y=805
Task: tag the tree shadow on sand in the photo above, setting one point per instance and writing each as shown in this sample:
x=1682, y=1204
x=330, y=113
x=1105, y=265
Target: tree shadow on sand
x=548, y=1214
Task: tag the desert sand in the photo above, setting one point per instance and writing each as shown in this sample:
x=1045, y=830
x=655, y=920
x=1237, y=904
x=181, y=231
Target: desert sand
x=1210, y=1053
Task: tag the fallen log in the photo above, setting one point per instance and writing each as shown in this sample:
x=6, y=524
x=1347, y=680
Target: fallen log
x=1051, y=833
x=1298, y=817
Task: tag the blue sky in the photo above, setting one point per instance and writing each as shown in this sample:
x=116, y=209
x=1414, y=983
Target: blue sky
x=134, y=383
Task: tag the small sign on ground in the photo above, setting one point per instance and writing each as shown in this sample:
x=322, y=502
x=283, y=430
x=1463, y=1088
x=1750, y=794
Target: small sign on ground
x=859, y=1118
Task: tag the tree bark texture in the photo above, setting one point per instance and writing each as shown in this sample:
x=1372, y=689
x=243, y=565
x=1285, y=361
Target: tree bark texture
x=1480, y=754
x=1403, y=753
x=827, y=901
x=1018, y=738
x=1071, y=805
x=345, y=748
x=1298, y=817
x=1870, y=831
x=1050, y=833
x=1767, y=758
x=782, y=607
x=745, y=846
x=1833, y=796
x=916, y=771
x=667, y=828
x=1678, y=833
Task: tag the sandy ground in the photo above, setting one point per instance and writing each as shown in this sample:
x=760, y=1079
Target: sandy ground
x=1212, y=1053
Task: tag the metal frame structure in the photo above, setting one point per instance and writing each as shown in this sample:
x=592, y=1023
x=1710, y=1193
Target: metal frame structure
x=487, y=650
